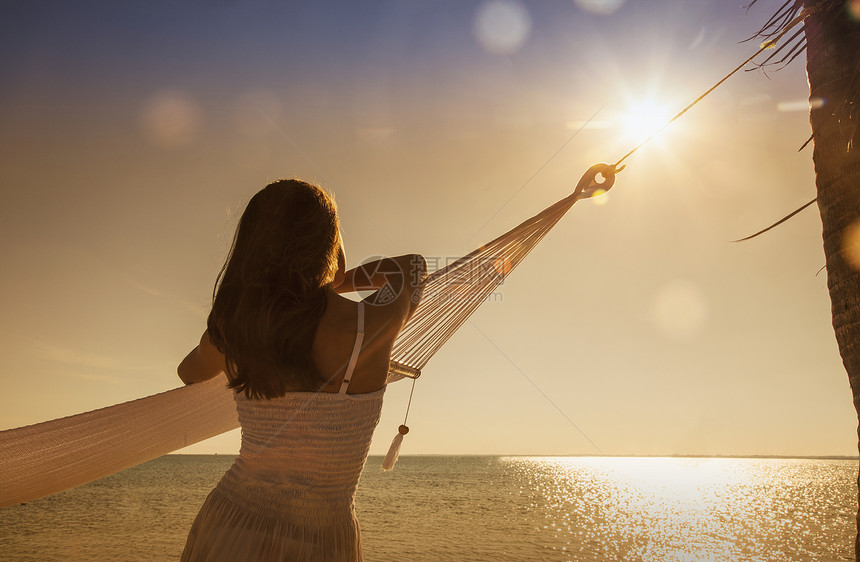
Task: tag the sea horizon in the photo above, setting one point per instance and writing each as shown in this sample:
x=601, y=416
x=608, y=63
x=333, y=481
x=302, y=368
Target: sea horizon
x=587, y=455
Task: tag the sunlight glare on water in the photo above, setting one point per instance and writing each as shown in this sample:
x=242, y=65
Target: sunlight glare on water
x=687, y=509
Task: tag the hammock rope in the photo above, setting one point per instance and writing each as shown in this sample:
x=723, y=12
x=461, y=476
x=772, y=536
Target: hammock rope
x=453, y=293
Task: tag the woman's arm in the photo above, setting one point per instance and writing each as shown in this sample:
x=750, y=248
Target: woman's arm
x=397, y=281
x=203, y=363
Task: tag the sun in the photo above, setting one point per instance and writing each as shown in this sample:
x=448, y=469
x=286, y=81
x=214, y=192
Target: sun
x=644, y=119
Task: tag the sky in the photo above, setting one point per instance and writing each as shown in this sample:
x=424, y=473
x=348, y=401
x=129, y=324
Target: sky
x=132, y=135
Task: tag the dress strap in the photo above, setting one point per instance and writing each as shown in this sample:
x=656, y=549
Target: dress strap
x=356, y=349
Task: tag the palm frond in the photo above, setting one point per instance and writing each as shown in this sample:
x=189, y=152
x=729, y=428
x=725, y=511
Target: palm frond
x=774, y=27
x=778, y=20
x=832, y=15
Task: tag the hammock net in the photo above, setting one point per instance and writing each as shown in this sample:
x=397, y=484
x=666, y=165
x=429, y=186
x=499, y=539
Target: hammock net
x=56, y=455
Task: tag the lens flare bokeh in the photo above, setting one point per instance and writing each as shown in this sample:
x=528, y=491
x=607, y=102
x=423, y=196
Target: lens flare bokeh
x=502, y=27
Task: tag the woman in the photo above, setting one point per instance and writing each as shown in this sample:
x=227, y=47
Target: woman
x=308, y=370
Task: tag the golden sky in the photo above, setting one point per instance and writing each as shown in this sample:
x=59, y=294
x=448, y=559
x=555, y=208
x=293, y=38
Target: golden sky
x=132, y=136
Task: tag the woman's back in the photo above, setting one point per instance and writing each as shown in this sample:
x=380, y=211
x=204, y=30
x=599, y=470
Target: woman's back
x=334, y=343
x=292, y=486
x=312, y=439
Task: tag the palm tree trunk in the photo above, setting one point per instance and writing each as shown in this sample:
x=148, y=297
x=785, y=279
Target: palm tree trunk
x=833, y=49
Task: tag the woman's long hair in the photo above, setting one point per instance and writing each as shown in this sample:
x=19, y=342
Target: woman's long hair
x=270, y=294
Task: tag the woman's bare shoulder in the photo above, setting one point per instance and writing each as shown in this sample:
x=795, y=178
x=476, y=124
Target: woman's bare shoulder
x=203, y=363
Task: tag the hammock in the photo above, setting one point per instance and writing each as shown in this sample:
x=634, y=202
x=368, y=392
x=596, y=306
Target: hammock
x=45, y=458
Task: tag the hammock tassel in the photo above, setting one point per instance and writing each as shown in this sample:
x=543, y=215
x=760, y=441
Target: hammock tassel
x=394, y=450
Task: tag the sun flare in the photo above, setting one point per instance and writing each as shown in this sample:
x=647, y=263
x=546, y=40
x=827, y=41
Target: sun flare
x=644, y=119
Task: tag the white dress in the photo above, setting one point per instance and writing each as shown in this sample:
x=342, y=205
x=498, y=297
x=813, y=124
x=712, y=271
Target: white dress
x=290, y=493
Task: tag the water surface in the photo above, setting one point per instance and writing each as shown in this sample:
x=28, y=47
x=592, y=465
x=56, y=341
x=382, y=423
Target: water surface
x=487, y=508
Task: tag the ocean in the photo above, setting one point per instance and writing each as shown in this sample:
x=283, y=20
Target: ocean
x=450, y=508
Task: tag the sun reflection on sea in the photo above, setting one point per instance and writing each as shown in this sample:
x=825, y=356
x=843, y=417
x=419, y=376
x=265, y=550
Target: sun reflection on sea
x=675, y=508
